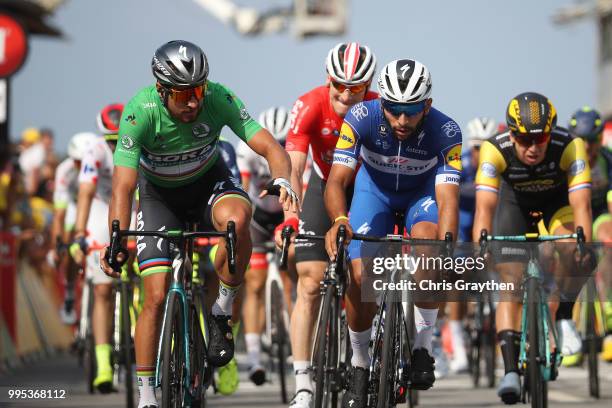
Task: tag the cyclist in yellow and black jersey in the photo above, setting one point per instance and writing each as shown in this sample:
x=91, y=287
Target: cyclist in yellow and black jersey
x=534, y=166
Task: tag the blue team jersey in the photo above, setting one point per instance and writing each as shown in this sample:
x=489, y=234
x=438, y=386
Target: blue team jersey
x=395, y=165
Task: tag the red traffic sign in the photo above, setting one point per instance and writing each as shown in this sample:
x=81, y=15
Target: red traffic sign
x=13, y=45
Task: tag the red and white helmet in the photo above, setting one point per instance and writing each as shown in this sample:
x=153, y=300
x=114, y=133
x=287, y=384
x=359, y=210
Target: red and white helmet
x=109, y=117
x=351, y=63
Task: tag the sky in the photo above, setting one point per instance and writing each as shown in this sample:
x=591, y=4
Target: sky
x=480, y=53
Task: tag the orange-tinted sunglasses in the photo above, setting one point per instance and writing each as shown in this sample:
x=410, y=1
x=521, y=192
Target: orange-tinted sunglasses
x=528, y=140
x=183, y=96
x=354, y=89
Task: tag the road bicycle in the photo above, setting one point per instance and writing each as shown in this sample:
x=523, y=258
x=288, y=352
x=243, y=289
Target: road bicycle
x=538, y=362
x=182, y=369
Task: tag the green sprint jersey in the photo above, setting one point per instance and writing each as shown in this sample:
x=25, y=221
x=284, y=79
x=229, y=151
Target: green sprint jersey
x=172, y=153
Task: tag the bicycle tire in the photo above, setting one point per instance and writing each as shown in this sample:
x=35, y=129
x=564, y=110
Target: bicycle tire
x=173, y=359
x=279, y=336
x=321, y=351
x=537, y=388
x=490, y=343
x=413, y=396
x=127, y=344
x=386, y=381
x=476, y=336
x=89, y=348
x=197, y=350
x=592, y=349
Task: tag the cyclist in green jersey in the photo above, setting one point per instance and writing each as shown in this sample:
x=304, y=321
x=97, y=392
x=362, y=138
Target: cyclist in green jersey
x=168, y=145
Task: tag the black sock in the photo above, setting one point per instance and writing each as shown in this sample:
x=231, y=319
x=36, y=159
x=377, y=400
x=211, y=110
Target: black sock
x=509, y=342
x=565, y=311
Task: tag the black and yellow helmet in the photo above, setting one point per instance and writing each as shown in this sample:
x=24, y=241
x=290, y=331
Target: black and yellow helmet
x=531, y=113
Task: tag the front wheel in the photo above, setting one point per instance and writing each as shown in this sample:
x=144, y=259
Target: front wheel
x=386, y=384
x=537, y=385
x=279, y=335
x=323, y=351
x=173, y=355
x=127, y=344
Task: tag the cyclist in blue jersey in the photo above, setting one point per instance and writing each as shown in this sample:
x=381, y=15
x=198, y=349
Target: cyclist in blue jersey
x=410, y=157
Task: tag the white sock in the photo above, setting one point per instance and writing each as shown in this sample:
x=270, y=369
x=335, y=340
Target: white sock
x=456, y=329
x=425, y=322
x=253, y=347
x=302, y=375
x=225, y=300
x=146, y=389
x=360, y=342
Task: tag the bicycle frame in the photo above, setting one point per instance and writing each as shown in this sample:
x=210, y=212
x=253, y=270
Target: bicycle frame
x=176, y=286
x=533, y=273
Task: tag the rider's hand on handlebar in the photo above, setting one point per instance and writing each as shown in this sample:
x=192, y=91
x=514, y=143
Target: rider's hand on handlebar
x=278, y=231
x=105, y=265
x=332, y=235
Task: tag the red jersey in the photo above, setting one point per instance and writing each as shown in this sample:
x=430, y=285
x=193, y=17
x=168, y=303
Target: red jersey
x=314, y=123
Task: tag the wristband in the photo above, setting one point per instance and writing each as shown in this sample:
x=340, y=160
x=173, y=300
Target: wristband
x=342, y=217
x=292, y=222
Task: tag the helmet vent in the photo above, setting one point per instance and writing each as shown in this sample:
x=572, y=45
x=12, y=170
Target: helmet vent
x=534, y=112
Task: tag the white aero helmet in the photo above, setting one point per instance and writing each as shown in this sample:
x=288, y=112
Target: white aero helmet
x=480, y=129
x=404, y=81
x=276, y=120
x=79, y=143
x=350, y=63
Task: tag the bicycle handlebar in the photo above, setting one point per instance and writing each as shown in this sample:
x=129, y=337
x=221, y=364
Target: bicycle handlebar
x=115, y=247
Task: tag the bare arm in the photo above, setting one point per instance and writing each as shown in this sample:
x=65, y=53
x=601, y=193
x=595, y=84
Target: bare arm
x=57, y=228
x=339, y=179
x=580, y=201
x=263, y=144
x=486, y=203
x=447, y=197
x=87, y=191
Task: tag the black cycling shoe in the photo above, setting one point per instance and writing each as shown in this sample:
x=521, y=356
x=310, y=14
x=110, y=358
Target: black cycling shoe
x=257, y=375
x=356, y=396
x=422, y=370
x=221, y=341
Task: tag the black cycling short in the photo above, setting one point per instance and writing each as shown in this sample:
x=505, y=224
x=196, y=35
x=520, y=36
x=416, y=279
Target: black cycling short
x=165, y=208
x=262, y=228
x=314, y=221
x=513, y=217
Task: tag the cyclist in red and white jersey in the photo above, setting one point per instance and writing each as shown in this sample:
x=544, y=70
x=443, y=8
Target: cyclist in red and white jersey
x=64, y=216
x=95, y=186
x=316, y=119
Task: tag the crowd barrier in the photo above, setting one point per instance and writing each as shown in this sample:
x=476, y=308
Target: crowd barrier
x=29, y=319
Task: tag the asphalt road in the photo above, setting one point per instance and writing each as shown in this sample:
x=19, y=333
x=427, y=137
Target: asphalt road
x=62, y=373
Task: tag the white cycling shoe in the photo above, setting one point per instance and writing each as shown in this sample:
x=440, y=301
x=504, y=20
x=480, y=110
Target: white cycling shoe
x=67, y=317
x=301, y=399
x=459, y=363
x=442, y=366
x=569, y=338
